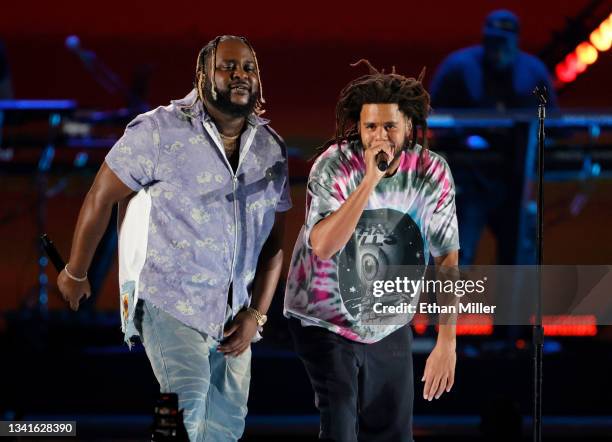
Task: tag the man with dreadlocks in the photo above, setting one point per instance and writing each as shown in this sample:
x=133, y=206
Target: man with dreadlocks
x=360, y=222
x=200, y=243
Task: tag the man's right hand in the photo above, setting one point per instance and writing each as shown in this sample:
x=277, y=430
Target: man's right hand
x=372, y=172
x=71, y=290
x=106, y=191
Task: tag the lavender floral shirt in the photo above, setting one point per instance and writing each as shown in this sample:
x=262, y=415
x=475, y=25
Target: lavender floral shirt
x=206, y=224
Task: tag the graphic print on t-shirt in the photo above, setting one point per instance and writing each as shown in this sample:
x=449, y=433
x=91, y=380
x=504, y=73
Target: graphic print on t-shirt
x=383, y=240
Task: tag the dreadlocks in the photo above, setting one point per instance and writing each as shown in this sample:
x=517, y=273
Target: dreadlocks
x=208, y=55
x=375, y=88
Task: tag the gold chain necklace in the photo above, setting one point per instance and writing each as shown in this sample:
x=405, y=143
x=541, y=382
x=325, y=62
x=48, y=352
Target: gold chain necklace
x=226, y=138
x=230, y=144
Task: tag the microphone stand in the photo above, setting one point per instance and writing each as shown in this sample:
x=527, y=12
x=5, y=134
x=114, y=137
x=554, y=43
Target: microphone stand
x=538, y=329
x=106, y=77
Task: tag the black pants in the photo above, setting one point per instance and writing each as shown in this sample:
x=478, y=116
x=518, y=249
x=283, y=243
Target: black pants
x=364, y=392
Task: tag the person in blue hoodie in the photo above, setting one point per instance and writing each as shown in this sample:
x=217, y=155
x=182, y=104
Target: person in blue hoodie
x=492, y=76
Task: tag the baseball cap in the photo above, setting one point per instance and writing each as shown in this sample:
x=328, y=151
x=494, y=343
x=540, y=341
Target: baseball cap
x=501, y=23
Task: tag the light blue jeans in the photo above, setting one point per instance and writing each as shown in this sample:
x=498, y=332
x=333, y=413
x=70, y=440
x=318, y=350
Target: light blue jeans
x=212, y=390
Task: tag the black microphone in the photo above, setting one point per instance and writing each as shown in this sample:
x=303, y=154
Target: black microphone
x=55, y=258
x=381, y=161
x=542, y=93
x=52, y=253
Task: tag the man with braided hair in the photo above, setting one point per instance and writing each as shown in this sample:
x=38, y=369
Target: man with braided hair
x=361, y=222
x=200, y=242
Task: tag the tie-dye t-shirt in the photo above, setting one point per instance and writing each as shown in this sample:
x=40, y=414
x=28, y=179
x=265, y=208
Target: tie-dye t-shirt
x=408, y=215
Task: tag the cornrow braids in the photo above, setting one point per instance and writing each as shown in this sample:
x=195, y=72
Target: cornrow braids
x=378, y=87
x=208, y=54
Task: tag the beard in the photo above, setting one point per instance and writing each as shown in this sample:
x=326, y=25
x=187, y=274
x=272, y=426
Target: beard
x=397, y=148
x=224, y=101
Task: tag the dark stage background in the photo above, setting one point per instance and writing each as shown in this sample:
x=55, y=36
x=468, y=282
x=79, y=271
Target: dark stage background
x=74, y=365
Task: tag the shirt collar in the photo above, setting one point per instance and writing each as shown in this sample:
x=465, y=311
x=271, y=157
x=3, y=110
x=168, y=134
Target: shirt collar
x=191, y=106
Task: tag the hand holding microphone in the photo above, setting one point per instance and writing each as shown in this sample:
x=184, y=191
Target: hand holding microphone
x=382, y=161
x=73, y=288
x=378, y=156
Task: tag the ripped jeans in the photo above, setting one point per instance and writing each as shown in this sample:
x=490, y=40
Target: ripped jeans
x=212, y=390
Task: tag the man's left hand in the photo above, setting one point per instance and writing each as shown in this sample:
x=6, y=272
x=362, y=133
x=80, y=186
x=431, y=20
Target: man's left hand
x=439, y=370
x=238, y=335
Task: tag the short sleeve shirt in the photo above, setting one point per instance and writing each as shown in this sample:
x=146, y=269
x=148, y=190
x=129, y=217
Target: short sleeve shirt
x=205, y=225
x=408, y=216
